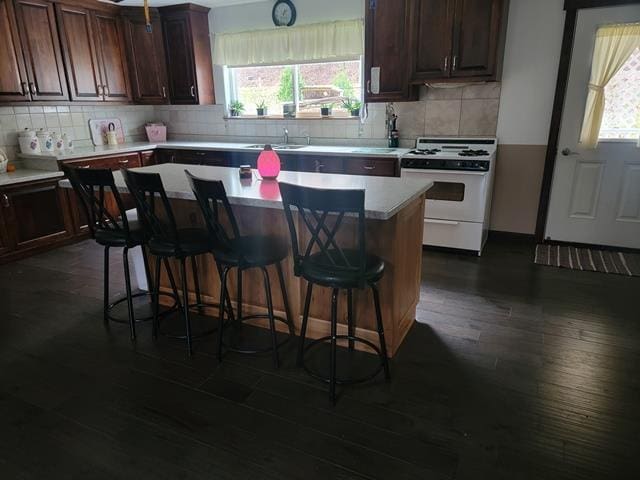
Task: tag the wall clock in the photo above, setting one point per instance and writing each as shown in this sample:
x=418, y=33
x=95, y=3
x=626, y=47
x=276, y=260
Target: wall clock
x=284, y=13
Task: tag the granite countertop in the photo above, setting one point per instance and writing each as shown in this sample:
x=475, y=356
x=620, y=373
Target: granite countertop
x=22, y=175
x=384, y=197
x=83, y=152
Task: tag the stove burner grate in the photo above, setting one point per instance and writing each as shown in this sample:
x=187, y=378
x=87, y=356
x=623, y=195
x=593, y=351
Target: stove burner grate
x=473, y=153
x=429, y=151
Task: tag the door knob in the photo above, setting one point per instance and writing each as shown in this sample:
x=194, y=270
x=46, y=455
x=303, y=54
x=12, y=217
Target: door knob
x=567, y=151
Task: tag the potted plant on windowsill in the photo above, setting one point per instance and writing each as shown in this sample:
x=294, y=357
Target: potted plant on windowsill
x=352, y=105
x=325, y=109
x=236, y=108
x=261, y=108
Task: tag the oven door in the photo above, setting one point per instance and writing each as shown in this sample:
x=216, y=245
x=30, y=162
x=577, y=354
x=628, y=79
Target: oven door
x=458, y=196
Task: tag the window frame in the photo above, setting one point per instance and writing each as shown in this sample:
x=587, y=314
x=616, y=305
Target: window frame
x=231, y=94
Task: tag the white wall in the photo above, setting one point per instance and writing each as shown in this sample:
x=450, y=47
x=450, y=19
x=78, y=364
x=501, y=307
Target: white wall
x=253, y=16
x=532, y=54
x=257, y=16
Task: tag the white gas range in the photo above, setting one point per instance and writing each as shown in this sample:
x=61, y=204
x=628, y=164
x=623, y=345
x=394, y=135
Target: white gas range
x=458, y=205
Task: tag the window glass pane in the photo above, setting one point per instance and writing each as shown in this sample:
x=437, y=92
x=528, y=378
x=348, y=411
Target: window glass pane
x=273, y=85
x=328, y=84
x=319, y=84
x=622, y=108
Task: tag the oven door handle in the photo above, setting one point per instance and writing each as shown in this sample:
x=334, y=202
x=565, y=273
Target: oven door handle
x=441, y=222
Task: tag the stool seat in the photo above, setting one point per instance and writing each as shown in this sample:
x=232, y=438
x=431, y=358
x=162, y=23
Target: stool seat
x=252, y=251
x=119, y=238
x=317, y=268
x=189, y=242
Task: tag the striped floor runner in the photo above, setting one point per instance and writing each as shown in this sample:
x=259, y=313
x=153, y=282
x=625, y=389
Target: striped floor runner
x=588, y=259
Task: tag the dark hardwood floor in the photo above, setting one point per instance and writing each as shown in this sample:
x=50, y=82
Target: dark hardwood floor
x=515, y=371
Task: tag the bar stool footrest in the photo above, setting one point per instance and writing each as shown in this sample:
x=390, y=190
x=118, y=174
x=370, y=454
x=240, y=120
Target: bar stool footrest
x=143, y=319
x=250, y=351
x=344, y=381
x=195, y=336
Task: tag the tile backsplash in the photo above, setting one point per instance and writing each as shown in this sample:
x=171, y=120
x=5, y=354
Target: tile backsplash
x=73, y=120
x=470, y=110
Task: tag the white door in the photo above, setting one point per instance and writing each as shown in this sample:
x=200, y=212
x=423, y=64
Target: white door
x=595, y=194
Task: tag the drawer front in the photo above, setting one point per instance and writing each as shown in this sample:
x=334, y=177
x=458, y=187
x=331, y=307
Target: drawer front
x=200, y=157
x=319, y=164
x=116, y=162
x=382, y=167
x=450, y=234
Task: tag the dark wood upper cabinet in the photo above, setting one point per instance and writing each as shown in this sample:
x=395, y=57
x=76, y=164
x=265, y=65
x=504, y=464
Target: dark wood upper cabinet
x=146, y=57
x=387, y=54
x=81, y=60
x=188, y=52
x=41, y=50
x=13, y=76
x=476, y=36
x=432, y=34
x=94, y=56
x=456, y=40
x=111, y=57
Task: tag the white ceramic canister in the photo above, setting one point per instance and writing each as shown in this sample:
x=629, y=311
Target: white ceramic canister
x=4, y=161
x=58, y=143
x=28, y=141
x=68, y=141
x=46, y=142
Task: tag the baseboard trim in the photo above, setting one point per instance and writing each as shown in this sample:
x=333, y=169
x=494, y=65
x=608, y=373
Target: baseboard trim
x=522, y=237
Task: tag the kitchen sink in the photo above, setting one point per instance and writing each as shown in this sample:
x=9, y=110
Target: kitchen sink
x=287, y=147
x=278, y=147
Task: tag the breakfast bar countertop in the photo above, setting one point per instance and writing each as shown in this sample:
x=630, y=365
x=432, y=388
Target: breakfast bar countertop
x=384, y=197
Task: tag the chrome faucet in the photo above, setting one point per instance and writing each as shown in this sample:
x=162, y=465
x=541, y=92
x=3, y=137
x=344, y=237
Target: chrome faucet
x=285, y=137
x=308, y=139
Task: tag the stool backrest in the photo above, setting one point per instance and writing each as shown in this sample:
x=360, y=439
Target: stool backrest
x=91, y=186
x=210, y=194
x=315, y=208
x=152, y=204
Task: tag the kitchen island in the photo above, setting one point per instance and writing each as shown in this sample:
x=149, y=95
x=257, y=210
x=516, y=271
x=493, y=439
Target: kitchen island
x=394, y=211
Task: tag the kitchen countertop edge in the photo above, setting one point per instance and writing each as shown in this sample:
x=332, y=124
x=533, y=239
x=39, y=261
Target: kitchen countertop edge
x=217, y=146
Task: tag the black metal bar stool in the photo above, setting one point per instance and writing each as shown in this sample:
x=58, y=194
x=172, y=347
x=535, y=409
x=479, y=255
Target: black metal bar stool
x=167, y=241
x=110, y=229
x=231, y=250
x=324, y=262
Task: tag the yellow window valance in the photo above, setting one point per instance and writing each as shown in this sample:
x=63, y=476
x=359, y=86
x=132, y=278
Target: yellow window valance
x=288, y=45
x=614, y=45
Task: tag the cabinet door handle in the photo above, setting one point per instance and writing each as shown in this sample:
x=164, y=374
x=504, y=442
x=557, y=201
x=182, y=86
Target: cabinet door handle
x=369, y=167
x=193, y=91
x=446, y=63
x=84, y=166
x=5, y=201
x=123, y=162
x=201, y=154
x=368, y=86
x=25, y=88
x=454, y=66
x=164, y=92
x=32, y=88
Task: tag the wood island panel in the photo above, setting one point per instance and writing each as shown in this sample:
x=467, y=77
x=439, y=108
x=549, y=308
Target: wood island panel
x=397, y=240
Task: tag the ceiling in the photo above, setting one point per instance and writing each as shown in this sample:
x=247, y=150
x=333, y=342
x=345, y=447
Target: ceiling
x=206, y=3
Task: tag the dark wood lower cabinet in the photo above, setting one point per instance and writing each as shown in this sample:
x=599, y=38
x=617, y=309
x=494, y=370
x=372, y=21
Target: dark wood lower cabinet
x=294, y=162
x=5, y=245
x=35, y=215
